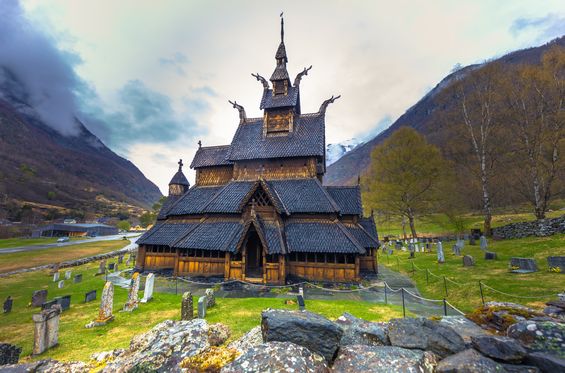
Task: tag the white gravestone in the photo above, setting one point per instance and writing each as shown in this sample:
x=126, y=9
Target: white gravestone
x=148, y=292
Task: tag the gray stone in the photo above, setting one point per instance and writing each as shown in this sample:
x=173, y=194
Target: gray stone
x=56, y=276
x=148, y=289
x=540, y=336
x=500, y=348
x=360, y=332
x=78, y=278
x=546, y=362
x=7, y=307
x=101, y=268
x=440, y=254
x=484, y=243
x=9, y=354
x=61, y=284
x=68, y=275
x=38, y=298
x=46, y=331
x=304, y=328
x=425, y=334
x=523, y=265
x=187, y=308
x=90, y=296
x=202, y=303
x=556, y=262
x=300, y=301
x=105, y=312
x=510, y=368
x=489, y=255
x=210, y=298
x=111, y=266
x=539, y=228
x=48, y=304
x=133, y=299
x=250, y=339
x=464, y=327
x=383, y=359
x=277, y=357
x=468, y=261
x=468, y=361
x=64, y=302
x=120, y=259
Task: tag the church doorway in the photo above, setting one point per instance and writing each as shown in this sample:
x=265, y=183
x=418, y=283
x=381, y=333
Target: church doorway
x=254, y=258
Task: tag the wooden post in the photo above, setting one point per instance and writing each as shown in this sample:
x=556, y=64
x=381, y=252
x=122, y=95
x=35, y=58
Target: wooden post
x=403, y=305
x=444, y=307
x=482, y=295
x=176, y=266
x=227, y=266
x=357, y=270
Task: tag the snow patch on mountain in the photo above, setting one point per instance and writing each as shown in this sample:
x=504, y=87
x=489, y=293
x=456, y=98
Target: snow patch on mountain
x=336, y=151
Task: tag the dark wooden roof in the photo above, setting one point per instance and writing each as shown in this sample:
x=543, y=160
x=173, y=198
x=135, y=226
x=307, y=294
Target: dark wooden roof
x=348, y=198
x=211, y=156
x=324, y=236
x=369, y=226
x=166, y=233
x=269, y=101
x=363, y=237
x=179, y=179
x=303, y=196
x=193, y=201
x=274, y=236
x=212, y=235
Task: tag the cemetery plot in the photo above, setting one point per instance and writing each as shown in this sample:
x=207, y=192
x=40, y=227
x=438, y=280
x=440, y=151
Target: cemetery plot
x=523, y=265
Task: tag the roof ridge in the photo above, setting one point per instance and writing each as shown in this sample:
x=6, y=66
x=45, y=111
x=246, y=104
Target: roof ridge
x=331, y=200
x=214, y=147
x=369, y=235
x=350, y=236
x=215, y=196
x=268, y=190
x=189, y=231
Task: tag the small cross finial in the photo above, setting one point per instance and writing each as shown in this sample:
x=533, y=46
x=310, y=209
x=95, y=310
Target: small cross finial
x=199, y=144
x=180, y=164
x=282, y=27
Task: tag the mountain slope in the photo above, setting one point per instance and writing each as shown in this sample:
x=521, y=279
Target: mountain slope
x=41, y=166
x=420, y=117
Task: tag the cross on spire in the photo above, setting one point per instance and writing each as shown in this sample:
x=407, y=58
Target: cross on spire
x=282, y=28
x=180, y=165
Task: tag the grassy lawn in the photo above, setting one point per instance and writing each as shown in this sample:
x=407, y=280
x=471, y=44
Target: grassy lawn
x=493, y=273
x=7, y=243
x=28, y=259
x=77, y=343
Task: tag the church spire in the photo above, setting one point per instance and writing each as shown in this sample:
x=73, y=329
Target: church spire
x=179, y=184
x=280, y=78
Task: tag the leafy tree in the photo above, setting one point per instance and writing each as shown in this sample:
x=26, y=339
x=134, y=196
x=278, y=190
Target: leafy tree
x=408, y=177
x=124, y=225
x=147, y=218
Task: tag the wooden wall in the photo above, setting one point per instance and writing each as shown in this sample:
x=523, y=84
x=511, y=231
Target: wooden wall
x=200, y=266
x=218, y=175
x=324, y=271
x=368, y=262
x=271, y=169
x=159, y=260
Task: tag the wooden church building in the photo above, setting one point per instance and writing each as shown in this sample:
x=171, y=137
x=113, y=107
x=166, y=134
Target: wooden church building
x=258, y=211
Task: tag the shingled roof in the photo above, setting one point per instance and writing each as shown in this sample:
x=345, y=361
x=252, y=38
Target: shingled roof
x=307, y=139
x=368, y=224
x=229, y=198
x=213, y=235
x=348, y=198
x=179, y=179
x=270, y=101
x=363, y=237
x=211, y=156
x=193, y=201
x=166, y=206
x=274, y=236
x=324, y=236
x=303, y=196
x=166, y=233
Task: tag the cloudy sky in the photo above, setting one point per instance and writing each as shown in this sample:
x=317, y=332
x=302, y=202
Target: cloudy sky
x=152, y=78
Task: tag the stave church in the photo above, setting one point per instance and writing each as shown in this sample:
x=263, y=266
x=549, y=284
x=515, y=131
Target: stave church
x=259, y=211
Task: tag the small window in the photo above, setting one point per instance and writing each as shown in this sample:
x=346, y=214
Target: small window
x=272, y=258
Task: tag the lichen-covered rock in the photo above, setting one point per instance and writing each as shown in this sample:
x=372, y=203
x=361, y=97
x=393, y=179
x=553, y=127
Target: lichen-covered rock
x=357, y=331
x=540, y=336
x=218, y=333
x=464, y=327
x=251, y=339
x=278, y=357
x=383, y=359
x=210, y=361
x=500, y=348
x=498, y=316
x=546, y=362
x=163, y=347
x=47, y=366
x=425, y=334
x=303, y=328
x=468, y=361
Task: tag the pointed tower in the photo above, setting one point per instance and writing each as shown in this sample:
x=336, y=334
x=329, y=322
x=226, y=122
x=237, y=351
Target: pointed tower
x=179, y=185
x=280, y=78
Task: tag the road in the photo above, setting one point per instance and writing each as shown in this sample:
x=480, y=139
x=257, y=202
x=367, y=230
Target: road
x=63, y=244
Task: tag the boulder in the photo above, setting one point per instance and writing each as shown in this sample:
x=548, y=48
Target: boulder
x=360, y=332
x=48, y=366
x=9, y=354
x=468, y=361
x=425, y=334
x=251, y=339
x=509, y=368
x=546, y=362
x=464, y=327
x=540, y=336
x=377, y=359
x=303, y=328
x=277, y=357
x=498, y=316
x=500, y=348
x=218, y=333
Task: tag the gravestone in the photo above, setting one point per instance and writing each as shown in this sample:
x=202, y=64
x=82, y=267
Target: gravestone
x=489, y=255
x=38, y=298
x=120, y=259
x=106, y=307
x=9, y=354
x=210, y=298
x=48, y=304
x=64, y=302
x=55, y=276
x=101, y=268
x=468, y=261
x=61, y=284
x=116, y=267
x=133, y=300
x=78, y=278
x=148, y=292
x=8, y=305
x=440, y=255
x=46, y=329
x=301, y=303
x=398, y=245
x=202, y=307
x=390, y=251
x=523, y=265
x=90, y=296
x=128, y=261
x=68, y=275
x=187, y=308
x=484, y=243
x=556, y=262
x=111, y=266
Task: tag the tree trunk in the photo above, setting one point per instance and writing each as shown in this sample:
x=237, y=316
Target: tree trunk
x=404, y=227
x=412, y=227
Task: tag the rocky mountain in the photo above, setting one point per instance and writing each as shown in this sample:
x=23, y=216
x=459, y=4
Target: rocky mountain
x=42, y=168
x=335, y=151
x=423, y=117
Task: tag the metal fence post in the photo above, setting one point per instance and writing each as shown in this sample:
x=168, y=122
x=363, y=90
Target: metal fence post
x=482, y=295
x=386, y=301
x=444, y=307
x=403, y=305
x=445, y=286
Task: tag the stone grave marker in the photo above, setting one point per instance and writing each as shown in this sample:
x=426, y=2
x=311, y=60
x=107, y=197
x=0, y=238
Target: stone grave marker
x=101, y=268
x=38, y=298
x=111, y=266
x=105, y=314
x=78, y=278
x=489, y=255
x=133, y=300
x=210, y=298
x=555, y=262
x=202, y=301
x=64, y=302
x=148, y=292
x=468, y=261
x=54, y=268
x=523, y=265
x=483, y=243
x=9, y=354
x=120, y=259
x=46, y=330
x=90, y=296
x=55, y=276
x=68, y=275
x=7, y=308
x=301, y=303
x=61, y=284
x=187, y=308
x=116, y=267
x=440, y=255
x=49, y=304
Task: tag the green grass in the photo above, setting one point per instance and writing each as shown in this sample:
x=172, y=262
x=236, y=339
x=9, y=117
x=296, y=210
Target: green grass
x=7, y=243
x=494, y=273
x=28, y=259
x=78, y=343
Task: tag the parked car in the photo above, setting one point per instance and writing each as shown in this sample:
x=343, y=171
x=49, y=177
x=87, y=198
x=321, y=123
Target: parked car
x=63, y=239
